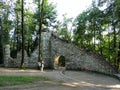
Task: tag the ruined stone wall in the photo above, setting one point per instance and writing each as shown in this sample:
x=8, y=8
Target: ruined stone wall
x=78, y=59
x=46, y=52
x=8, y=61
x=32, y=61
x=7, y=55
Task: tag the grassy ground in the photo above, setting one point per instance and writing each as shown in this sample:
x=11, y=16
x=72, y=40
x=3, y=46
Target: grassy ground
x=19, y=80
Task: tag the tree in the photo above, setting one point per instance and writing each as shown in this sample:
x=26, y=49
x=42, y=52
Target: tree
x=49, y=14
x=49, y=18
x=5, y=26
x=79, y=33
x=15, y=37
x=22, y=32
x=63, y=29
x=40, y=30
x=1, y=43
x=102, y=26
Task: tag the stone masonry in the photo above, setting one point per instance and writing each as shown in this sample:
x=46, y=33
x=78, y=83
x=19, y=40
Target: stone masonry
x=75, y=58
x=78, y=59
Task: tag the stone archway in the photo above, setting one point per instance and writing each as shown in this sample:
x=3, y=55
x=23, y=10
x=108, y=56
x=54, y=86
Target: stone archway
x=59, y=62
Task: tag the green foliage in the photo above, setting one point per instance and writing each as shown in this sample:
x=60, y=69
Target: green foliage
x=6, y=22
x=12, y=33
x=31, y=20
x=49, y=14
x=98, y=30
x=63, y=29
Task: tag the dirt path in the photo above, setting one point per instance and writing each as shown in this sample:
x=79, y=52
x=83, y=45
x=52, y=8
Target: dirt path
x=71, y=80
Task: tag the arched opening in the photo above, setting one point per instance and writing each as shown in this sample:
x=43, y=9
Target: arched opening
x=59, y=62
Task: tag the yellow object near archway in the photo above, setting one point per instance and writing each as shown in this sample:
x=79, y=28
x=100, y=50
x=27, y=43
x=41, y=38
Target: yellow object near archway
x=59, y=62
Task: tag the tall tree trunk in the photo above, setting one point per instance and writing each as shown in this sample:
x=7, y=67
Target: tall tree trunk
x=22, y=28
x=28, y=48
x=1, y=43
x=94, y=34
x=40, y=30
x=17, y=40
x=100, y=45
x=114, y=45
x=109, y=47
x=14, y=39
x=118, y=59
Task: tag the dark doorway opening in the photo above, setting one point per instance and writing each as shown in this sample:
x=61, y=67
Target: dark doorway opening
x=59, y=62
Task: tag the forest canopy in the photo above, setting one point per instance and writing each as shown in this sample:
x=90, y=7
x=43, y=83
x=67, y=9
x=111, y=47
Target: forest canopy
x=95, y=29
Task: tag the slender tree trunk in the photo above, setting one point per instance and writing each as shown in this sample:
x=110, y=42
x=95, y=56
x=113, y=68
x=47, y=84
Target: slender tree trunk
x=118, y=59
x=40, y=30
x=28, y=48
x=17, y=40
x=32, y=45
x=109, y=47
x=114, y=45
x=22, y=27
x=14, y=38
x=1, y=43
x=94, y=33
x=100, y=46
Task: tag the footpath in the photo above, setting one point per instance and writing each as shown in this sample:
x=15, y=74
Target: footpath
x=68, y=80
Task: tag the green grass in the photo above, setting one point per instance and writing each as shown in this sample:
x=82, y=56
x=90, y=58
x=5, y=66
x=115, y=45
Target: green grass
x=19, y=80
